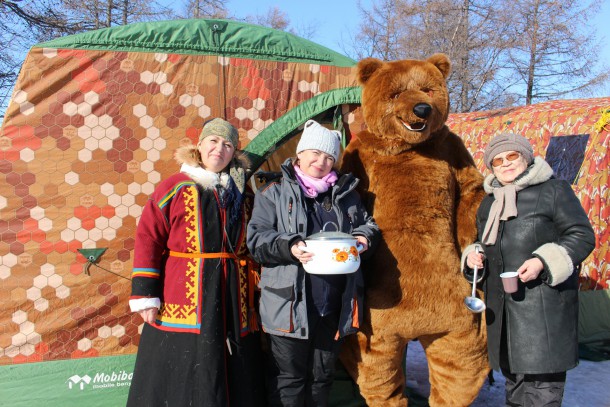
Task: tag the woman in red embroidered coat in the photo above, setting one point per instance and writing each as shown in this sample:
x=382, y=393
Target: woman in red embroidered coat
x=192, y=283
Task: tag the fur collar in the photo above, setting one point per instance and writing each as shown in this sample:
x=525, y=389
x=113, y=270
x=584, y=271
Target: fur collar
x=190, y=160
x=205, y=178
x=537, y=173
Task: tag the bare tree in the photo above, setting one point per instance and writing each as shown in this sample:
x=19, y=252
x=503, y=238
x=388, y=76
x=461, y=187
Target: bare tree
x=382, y=30
x=307, y=30
x=21, y=26
x=502, y=53
x=468, y=31
x=278, y=19
x=130, y=11
x=275, y=18
x=552, y=55
x=108, y=13
x=206, y=9
x=9, y=67
x=41, y=18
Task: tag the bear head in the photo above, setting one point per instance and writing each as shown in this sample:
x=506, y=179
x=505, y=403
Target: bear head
x=404, y=102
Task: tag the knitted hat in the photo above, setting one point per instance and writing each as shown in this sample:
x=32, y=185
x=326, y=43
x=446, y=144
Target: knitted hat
x=508, y=142
x=317, y=137
x=221, y=128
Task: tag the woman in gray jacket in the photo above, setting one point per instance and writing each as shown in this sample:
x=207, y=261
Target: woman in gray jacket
x=306, y=314
x=533, y=224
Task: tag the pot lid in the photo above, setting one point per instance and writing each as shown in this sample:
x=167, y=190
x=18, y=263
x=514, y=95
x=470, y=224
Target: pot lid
x=330, y=235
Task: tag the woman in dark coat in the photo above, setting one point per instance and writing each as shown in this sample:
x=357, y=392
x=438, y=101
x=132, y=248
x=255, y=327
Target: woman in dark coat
x=533, y=224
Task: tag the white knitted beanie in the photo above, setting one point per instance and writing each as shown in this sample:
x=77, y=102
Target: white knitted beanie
x=317, y=137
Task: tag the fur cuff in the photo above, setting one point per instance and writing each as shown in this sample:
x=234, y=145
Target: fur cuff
x=140, y=304
x=557, y=261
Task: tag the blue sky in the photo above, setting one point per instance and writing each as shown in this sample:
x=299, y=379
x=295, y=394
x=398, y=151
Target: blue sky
x=335, y=21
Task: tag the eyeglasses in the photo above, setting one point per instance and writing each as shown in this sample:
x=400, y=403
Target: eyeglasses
x=498, y=161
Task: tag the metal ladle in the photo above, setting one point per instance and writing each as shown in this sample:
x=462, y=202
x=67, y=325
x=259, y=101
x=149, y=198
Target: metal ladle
x=473, y=303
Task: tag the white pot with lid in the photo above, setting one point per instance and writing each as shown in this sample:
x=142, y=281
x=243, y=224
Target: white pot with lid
x=334, y=252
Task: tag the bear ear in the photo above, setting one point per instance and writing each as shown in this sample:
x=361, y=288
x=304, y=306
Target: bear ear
x=441, y=61
x=366, y=68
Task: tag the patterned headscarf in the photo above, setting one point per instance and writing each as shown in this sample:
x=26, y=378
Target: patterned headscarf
x=221, y=128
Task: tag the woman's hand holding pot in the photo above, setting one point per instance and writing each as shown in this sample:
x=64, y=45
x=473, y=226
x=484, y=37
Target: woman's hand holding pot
x=363, y=242
x=300, y=254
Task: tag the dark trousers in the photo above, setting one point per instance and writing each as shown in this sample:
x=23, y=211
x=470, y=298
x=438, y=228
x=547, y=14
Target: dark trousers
x=301, y=370
x=534, y=390
x=530, y=390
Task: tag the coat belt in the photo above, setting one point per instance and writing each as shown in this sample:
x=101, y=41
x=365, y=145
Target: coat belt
x=223, y=255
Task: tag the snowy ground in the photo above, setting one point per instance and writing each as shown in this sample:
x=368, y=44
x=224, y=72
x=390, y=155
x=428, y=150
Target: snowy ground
x=588, y=385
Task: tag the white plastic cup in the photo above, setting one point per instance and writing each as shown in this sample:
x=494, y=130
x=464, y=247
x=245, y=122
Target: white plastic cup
x=510, y=281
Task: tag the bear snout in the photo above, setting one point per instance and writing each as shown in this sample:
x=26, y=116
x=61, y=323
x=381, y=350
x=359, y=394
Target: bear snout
x=422, y=110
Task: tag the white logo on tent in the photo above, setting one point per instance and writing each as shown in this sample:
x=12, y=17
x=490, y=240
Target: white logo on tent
x=80, y=381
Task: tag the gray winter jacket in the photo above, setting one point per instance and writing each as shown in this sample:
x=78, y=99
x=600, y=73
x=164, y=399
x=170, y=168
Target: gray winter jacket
x=279, y=219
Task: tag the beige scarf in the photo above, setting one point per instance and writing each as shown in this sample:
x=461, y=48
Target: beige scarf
x=503, y=207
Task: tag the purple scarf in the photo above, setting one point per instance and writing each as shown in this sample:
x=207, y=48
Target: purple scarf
x=314, y=186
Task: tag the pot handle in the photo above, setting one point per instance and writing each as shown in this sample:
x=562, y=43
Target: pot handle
x=359, y=247
x=331, y=223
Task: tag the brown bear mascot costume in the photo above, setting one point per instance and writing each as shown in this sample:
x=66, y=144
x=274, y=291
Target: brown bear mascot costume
x=423, y=188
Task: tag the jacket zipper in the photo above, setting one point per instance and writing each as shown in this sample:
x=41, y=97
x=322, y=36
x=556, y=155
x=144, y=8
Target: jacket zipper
x=290, y=215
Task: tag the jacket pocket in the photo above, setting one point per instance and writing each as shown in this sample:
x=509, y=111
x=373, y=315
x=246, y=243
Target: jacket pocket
x=277, y=308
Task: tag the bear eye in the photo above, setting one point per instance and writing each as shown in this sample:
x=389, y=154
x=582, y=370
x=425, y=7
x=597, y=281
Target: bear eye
x=395, y=95
x=428, y=91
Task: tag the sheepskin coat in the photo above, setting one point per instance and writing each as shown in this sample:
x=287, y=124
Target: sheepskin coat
x=541, y=318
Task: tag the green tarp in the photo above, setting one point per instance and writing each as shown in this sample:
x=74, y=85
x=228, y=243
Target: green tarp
x=200, y=37
x=594, y=324
x=91, y=382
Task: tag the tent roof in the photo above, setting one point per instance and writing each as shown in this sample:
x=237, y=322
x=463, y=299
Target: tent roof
x=202, y=36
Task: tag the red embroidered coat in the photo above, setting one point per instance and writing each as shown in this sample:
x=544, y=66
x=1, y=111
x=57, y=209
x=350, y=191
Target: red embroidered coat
x=188, y=255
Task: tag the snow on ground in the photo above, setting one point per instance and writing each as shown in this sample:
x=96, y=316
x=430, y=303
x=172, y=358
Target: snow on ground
x=588, y=385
